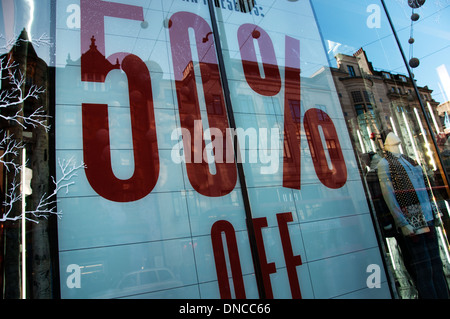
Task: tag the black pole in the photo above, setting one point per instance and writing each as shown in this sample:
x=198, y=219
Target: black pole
x=240, y=169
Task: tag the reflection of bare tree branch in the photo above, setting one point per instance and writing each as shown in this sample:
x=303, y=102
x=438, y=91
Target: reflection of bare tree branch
x=44, y=39
x=16, y=95
x=11, y=148
x=47, y=203
x=12, y=196
x=16, y=92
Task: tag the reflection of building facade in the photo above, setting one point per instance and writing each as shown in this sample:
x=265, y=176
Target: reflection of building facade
x=378, y=101
x=444, y=111
x=443, y=140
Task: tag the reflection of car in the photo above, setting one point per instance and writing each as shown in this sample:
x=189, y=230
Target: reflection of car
x=144, y=281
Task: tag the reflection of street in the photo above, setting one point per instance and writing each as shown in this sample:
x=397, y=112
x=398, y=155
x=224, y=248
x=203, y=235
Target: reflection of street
x=144, y=281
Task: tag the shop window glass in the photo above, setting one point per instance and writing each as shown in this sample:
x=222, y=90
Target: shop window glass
x=221, y=149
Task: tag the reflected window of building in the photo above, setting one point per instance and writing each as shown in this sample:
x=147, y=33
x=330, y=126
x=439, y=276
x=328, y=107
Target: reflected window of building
x=351, y=70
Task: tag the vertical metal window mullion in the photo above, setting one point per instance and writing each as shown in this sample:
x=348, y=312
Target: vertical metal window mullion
x=240, y=169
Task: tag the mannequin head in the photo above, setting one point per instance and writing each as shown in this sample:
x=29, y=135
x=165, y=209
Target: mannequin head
x=392, y=143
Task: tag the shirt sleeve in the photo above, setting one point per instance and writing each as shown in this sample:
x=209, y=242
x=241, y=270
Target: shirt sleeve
x=387, y=190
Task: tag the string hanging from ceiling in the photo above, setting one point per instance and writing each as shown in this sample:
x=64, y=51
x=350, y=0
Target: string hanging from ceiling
x=414, y=4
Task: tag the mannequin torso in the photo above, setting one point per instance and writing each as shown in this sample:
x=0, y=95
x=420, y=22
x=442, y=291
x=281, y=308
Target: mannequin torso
x=392, y=145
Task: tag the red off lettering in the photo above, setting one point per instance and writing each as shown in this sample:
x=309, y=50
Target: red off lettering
x=291, y=261
x=266, y=268
x=225, y=227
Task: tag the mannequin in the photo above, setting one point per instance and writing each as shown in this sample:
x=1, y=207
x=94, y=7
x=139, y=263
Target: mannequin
x=406, y=192
x=392, y=145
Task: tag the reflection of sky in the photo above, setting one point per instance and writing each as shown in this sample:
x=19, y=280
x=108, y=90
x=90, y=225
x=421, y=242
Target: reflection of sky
x=344, y=25
x=25, y=14
x=432, y=35
x=29, y=25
